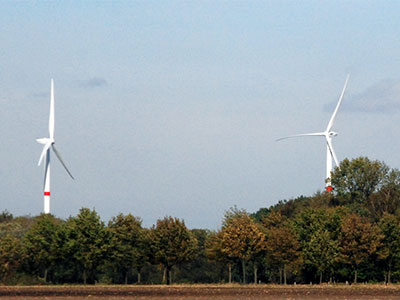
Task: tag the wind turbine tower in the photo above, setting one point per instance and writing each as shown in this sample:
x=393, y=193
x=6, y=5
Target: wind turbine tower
x=328, y=134
x=49, y=144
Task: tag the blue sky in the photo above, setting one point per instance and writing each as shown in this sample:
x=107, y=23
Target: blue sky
x=173, y=107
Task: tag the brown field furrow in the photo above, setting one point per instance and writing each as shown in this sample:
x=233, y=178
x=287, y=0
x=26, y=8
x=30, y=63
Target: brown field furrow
x=201, y=292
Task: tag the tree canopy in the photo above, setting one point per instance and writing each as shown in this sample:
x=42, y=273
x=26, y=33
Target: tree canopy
x=172, y=243
x=350, y=234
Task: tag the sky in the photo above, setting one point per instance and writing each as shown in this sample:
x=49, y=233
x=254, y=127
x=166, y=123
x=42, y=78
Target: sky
x=172, y=108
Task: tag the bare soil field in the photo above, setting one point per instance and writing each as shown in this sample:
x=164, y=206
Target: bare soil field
x=201, y=292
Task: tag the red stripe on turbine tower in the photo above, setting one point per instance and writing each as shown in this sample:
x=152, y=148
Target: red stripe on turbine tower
x=47, y=193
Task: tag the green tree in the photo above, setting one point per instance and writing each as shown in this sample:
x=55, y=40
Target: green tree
x=319, y=231
x=6, y=216
x=17, y=227
x=87, y=242
x=11, y=256
x=287, y=208
x=356, y=180
x=172, y=243
x=242, y=239
x=390, y=227
x=359, y=240
x=200, y=269
x=387, y=199
x=39, y=242
x=322, y=251
x=144, y=244
x=127, y=244
x=282, y=244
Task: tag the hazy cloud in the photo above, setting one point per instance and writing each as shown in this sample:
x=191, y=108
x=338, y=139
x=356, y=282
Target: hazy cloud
x=93, y=82
x=382, y=97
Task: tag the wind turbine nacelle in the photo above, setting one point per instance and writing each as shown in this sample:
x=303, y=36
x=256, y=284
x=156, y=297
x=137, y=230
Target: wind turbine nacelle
x=44, y=141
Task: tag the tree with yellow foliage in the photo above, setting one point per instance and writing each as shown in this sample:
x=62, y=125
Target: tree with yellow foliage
x=242, y=238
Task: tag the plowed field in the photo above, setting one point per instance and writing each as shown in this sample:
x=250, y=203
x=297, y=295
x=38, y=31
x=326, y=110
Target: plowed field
x=201, y=292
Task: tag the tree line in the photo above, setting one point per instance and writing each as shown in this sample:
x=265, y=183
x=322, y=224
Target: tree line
x=350, y=234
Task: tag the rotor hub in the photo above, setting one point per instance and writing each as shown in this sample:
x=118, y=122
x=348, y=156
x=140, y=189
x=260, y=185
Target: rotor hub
x=332, y=134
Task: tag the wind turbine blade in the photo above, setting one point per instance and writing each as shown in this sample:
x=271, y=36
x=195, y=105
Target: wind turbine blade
x=329, y=142
x=51, y=118
x=62, y=162
x=42, y=155
x=330, y=124
x=303, y=134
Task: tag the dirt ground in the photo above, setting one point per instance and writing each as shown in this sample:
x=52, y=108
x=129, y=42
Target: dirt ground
x=202, y=292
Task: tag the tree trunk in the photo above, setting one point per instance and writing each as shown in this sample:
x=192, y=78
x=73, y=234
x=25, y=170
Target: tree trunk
x=45, y=275
x=320, y=277
x=389, y=272
x=164, y=278
x=255, y=273
x=280, y=275
x=126, y=277
x=244, y=270
x=355, y=276
x=229, y=273
x=168, y=275
x=138, y=277
x=84, y=275
x=284, y=274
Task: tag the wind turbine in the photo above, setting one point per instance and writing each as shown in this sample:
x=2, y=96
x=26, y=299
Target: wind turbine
x=328, y=134
x=49, y=143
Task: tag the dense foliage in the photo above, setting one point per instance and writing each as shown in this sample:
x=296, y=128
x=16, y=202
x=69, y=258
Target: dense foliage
x=350, y=234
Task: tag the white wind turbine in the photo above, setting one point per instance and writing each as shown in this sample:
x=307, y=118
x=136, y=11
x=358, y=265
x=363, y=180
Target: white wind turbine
x=328, y=134
x=49, y=143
